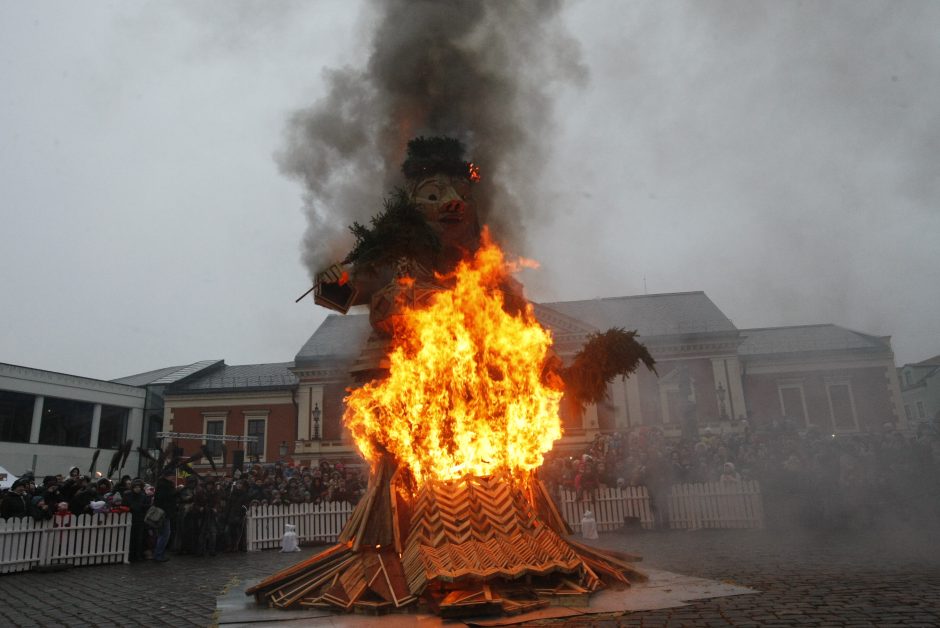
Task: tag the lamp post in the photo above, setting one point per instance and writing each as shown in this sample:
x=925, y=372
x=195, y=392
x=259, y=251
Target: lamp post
x=316, y=421
x=282, y=450
x=722, y=395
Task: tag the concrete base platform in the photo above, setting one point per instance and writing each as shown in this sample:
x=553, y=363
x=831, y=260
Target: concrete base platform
x=664, y=590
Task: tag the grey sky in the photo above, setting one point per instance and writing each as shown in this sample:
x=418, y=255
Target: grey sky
x=781, y=157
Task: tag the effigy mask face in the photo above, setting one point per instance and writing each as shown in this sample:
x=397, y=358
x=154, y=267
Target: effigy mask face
x=447, y=203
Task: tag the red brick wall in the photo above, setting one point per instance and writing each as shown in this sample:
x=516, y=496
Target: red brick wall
x=281, y=426
x=873, y=406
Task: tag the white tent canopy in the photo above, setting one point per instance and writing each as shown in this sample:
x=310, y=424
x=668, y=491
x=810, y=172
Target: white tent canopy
x=6, y=478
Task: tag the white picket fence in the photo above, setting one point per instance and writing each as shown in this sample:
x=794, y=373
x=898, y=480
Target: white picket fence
x=315, y=522
x=73, y=540
x=716, y=505
x=688, y=506
x=611, y=507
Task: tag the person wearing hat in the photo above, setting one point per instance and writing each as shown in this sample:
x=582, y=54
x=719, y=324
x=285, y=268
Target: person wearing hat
x=116, y=502
x=39, y=508
x=15, y=502
x=51, y=491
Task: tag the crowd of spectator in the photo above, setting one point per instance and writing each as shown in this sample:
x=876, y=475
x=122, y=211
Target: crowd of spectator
x=814, y=477
x=199, y=513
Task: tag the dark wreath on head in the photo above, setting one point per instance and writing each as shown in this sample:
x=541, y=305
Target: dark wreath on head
x=435, y=155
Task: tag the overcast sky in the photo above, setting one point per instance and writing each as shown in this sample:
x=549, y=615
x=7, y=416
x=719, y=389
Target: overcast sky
x=781, y=157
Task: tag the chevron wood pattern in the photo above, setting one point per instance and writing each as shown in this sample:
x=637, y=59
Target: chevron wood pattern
x=473, y=546
x=480, y=528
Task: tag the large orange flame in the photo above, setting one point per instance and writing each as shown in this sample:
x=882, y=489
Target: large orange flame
x=466, y=393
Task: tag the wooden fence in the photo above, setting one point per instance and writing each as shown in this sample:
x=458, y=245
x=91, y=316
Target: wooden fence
x=315, y=522
x=73, y=540
x=613, y=508
x=686, y=506
x=716, y=505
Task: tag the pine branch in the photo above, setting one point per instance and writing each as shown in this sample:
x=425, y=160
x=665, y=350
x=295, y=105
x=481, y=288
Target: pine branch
x=603, y=357
x=399, y=230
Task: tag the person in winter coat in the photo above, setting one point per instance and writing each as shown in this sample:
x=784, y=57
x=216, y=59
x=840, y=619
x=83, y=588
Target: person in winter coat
x=72, y=484
x=80, y=503
x=39, y=509
x=15, y=503
x=236, y=509
x=165, y=498
x=138, y=502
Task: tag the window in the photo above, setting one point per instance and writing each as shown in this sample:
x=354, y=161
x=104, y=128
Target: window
x=793, y=404
x=921, y=414
x=66, y=422
x=112, y=430
x=215, y=427
x=256, y=427
x=842, y=407
x=154, y=426
x=674, y=407
x=16, y=416
x=907, y=411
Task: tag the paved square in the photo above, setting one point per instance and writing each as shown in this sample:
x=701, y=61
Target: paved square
x=805, y=579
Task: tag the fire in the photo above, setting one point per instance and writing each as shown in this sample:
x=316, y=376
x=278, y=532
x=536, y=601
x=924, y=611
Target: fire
x=473, y=172
x=466, y=392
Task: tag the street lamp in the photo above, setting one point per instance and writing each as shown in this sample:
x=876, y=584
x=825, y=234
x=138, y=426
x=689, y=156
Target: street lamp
x=316, y=421
x=283, y=449
x=721, y=393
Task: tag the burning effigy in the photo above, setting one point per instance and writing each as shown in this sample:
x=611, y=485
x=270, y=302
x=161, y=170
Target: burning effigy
x=459, y=398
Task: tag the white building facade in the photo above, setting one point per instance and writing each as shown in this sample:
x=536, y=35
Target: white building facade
x=51, y=421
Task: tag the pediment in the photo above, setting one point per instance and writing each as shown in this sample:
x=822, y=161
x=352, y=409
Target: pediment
x=561, y=324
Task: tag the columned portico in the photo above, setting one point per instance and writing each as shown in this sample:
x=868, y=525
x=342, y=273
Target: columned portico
x=320, y=433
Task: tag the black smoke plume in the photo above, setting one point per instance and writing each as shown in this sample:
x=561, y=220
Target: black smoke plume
x=483, y=72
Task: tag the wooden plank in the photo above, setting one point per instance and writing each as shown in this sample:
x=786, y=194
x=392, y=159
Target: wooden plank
x=294, y=570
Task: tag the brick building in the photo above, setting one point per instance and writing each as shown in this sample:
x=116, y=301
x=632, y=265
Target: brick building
x=824, y=376
x=709, y=374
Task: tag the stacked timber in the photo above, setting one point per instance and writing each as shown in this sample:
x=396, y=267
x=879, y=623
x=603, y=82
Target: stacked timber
x=475, y=546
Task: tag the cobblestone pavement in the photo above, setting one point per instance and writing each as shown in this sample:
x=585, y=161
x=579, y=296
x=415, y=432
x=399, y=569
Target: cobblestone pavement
x=179, y=592
x=804, y=579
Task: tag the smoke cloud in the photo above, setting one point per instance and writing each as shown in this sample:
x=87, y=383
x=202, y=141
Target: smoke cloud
x=483, y=72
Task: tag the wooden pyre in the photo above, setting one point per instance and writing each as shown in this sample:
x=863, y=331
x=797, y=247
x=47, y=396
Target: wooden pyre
x=478, y=545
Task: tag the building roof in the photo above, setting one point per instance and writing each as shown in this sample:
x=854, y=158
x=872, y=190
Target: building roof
x=651, y=314
x=934, y=361
x=338, y=339
x=341, y=338
x=806, y=338
x=168, y=375
x=239, y=378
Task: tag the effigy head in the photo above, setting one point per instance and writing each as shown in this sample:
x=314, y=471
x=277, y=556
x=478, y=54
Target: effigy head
x=440, y=183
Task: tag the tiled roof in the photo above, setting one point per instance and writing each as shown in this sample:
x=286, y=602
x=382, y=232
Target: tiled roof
x=338, y=339
x=168, y=375
x=142, y=379
x=341, y=338
x=652, y=314
x=240, y=377
x=934, y=361
x=804, y=338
